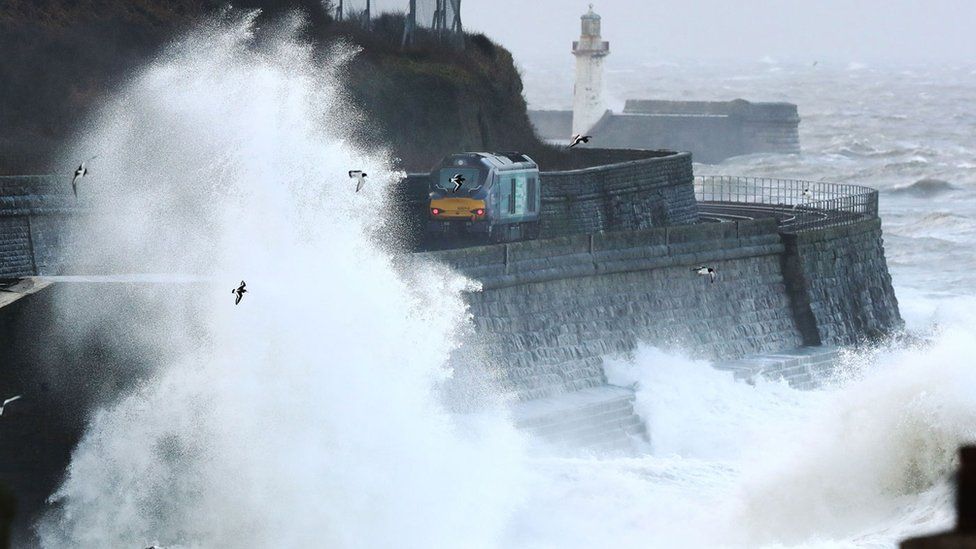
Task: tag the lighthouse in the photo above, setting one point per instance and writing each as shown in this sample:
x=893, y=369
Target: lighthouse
x=588, y=91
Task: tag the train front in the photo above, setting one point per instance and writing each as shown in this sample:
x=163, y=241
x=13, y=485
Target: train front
x=463, y=208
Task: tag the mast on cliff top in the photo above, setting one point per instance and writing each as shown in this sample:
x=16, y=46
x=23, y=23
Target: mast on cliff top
x=588, y=91
x=445, y=22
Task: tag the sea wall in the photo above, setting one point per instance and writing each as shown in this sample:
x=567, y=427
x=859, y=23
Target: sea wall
x=33, y=213
x=639, y=194
x=549, y=310
x=840, y=285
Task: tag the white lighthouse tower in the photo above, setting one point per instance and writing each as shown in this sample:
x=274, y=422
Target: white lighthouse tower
x=588, y=91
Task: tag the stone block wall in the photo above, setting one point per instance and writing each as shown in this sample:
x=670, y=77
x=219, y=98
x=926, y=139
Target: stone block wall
x=550, y=310
x=711, y=130
x=639, y=194
x=33, y=210
x=840, y=285
x=16, y=255
x=769, y=127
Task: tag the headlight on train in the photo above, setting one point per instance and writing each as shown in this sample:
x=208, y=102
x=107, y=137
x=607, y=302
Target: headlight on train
x=435, y=211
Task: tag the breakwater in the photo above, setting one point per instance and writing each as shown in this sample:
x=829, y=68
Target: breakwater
x=711, y=130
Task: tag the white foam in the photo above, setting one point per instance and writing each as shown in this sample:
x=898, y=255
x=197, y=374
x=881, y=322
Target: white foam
x=307, y=416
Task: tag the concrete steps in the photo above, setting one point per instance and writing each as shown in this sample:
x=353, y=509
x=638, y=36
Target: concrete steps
x=803, y=368
x=602, y=419
x=598, y=419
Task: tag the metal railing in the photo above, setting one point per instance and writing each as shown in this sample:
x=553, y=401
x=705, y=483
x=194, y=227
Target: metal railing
x=798, y=205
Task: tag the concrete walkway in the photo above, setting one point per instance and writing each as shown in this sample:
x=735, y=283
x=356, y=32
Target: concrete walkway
x=803, y=368
x=13, y=289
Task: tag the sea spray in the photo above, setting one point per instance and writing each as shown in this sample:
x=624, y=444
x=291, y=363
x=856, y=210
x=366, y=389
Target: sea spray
x=695, y=411
x=307, y=415
x=878, y=447
x=862, y=462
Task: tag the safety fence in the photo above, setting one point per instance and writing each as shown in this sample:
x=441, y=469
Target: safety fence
x=799, y=205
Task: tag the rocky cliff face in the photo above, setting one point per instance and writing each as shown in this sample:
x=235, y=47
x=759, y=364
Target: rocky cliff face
x=427, y=103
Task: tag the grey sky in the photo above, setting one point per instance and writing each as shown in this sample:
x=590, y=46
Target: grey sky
x=829, y=30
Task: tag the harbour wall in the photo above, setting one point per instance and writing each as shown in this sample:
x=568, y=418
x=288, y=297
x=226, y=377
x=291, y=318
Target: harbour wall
x=711, y=130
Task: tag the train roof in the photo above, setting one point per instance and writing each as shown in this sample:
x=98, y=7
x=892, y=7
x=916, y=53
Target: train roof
x=501, y=161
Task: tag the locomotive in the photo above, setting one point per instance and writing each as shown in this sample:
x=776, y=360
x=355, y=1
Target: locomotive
x=496, y=196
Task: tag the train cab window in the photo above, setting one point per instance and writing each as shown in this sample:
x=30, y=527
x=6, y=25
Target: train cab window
x=511, y=199
x=531, y=195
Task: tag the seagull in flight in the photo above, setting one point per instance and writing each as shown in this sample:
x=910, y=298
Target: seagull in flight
x=8, y=401
x=359, y=176
x=458, y=180
x=240, y=291
x=706, y=271
x=807, y=193
x=577, y=139
x=80, y=172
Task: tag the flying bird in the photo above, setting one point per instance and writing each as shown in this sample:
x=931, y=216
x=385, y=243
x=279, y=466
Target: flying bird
x=458, y=180
x=359, y=176
x=807, y=193
x=8, y=401
x=706, y=271
x=577, y=139
x=80, y=172
x=240, y=291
